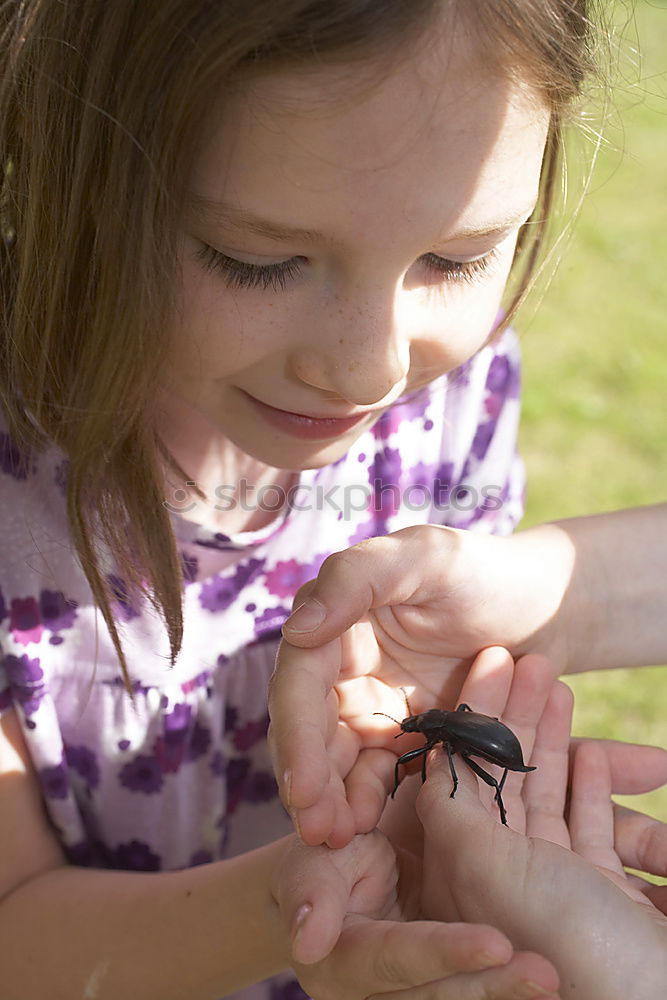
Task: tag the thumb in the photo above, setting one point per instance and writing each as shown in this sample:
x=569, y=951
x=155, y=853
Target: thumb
x=374, y=573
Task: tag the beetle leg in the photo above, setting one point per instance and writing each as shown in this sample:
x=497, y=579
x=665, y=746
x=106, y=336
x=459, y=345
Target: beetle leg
x=490, y=780
x=411, y=755
x=464, y=708
x=452, y=770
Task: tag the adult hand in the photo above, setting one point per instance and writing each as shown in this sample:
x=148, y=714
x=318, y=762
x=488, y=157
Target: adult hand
x=357, y=932
x=559, y=888
x=408, y=610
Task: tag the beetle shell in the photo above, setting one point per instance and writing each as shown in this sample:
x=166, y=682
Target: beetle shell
x=479, y=735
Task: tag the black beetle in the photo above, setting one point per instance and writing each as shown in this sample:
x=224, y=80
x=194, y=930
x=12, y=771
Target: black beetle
x=471, y=734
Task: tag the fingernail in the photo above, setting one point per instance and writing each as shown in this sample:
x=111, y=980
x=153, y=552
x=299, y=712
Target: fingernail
x=532, y=990
x=287, y=786
x=307, y=617
x=302, y=915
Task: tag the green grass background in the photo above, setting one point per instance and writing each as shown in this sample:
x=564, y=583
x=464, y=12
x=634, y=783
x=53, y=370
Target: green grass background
x=595, y=413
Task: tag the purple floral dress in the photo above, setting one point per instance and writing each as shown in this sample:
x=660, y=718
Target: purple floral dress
x=181, y=774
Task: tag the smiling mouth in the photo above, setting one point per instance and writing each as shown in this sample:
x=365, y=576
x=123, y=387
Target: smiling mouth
x=307, y=426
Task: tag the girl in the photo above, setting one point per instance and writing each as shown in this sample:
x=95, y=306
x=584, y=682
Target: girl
x=254, y=255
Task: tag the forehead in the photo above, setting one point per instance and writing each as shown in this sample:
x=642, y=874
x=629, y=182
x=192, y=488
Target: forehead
x=435, y=132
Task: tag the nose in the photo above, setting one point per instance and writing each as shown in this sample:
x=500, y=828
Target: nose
x=358, y=348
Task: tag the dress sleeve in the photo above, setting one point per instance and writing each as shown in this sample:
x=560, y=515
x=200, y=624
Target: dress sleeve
x=488, y=495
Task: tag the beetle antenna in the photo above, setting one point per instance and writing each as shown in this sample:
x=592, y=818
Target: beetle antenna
x=407, y=703
x=388, y=717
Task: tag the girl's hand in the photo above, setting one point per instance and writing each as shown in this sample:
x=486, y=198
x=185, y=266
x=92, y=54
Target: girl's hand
x=356, y=932
x=407, y=610
x=559, y=888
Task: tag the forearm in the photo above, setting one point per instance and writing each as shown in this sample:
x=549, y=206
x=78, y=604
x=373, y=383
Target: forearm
x=196, y=934
x=614, y=608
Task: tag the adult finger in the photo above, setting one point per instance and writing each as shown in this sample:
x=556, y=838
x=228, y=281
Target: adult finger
x=526, y=976
x=383, y=956
x=641, y=841
x=545, y=789
x=635, y=769
x=591, y=815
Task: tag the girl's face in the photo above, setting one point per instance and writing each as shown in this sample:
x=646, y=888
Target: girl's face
x=344, y=244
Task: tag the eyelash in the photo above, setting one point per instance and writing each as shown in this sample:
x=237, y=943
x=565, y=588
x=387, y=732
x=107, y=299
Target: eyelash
x=241, y=274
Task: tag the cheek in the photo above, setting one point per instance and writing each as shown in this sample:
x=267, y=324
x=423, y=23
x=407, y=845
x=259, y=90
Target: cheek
x=217, y=330
x=457, y=322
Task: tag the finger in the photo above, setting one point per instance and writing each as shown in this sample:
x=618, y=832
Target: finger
x=330, y=820
x=368, y=784
x=591, y=814
x=332, y=811
x=301, y=708
x=318, y=888
x=545, y=790
x=368, y=575
x=487, y=686
x=525, y=977
x=635, y=769
x=384, y=956
x=532, y=681
x=485, y=690
x=531, y=685
x=641, y=841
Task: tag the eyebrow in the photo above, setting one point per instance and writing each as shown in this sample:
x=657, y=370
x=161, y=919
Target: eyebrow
x=229, y=217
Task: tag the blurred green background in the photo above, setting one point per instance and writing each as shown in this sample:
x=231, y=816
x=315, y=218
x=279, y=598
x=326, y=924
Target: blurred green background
x=595, y=413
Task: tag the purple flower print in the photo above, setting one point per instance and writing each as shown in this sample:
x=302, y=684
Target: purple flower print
x=503, y=377
x=24, y=620
x=26, y=679
x=198, y=743
x=238, y=769
x=384, y=475
x=261, y=787
x=250, y=734
x=13, y=461
x=201, y=857
x=169, y=751
x=58, y=612
x=271, y=620
x=82, y=760
x=287, y=991
x=190, y=566
x=143, y=774
x=80, y=855
x=124, y=606
x=54, y=781
x=134, y=856
x=217, y=764
x=231, y=716
x=220, y=592
x=482, y=439
x=178, y=719
x=287, y=576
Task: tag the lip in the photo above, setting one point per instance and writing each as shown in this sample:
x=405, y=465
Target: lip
x=305, y=425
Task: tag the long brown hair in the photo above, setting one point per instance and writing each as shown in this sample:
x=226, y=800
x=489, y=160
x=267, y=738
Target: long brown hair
x=100, y=105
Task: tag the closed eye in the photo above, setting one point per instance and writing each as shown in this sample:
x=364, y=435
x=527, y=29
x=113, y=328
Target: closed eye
x=242, y=274
x=459, y=270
